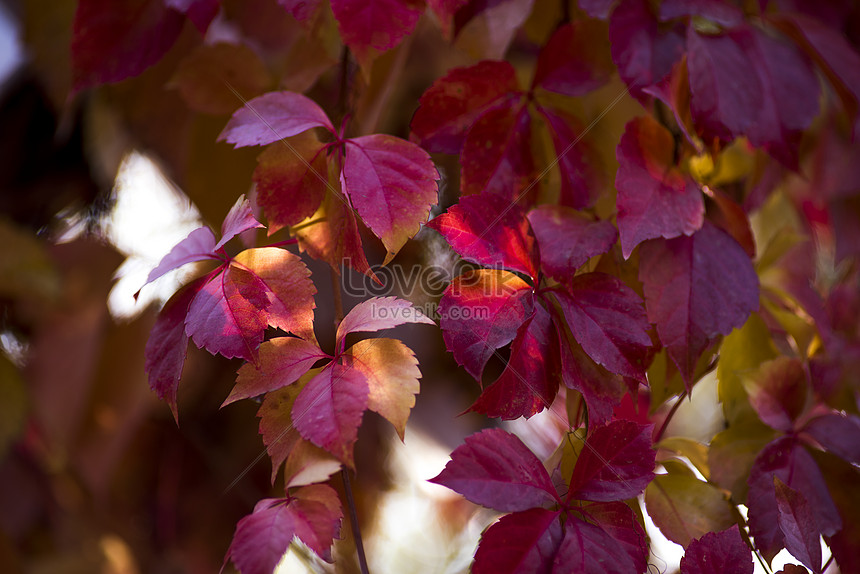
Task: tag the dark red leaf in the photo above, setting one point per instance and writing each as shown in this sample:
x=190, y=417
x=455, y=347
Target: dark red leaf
x=718, y=553
x=238, y=220
x=112, y=41
x=568, y=238
x=696, y=288
x=200, y=12
x=281, y=362
x=731, y=218
x=778, y=392
x=328, y=411
x=497, y=156
x=518, y=543
x=607, y=319
x=530, y=380
x=798, y=525
x=480, y=312
x=301, y=9
x=643, y=49
x=614, y=544
x=380, y=313
x=272, y=117
x=168, y=344
x=445, y=10
x=793, y=569
x=575, y=60
x=842, y=480
x=787, y=460
x=718, y=11
x=392, y=184
x=654, y=198
x=597, y=8
x=837, y=433
x=489, y=231
x=495, y=469
x=452, y=104
x=198, y=246
x=375, y=24
x=617, y=463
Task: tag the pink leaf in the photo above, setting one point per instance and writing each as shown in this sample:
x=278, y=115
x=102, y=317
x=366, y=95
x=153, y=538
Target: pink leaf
x=607, y=319
x=312, y=515
x=480, y=312
x=489, y=231
x=529, y=382
x=198, y=246
x=575, y=60
x=238, y=220
x=495, y=469
x=497, y=156
x=617, y=463
x=596, y=549
x=788, y=461
x=445, y=10
x=376, y=24
x=521, y=542
x=380, y=313
x=654, y=198
x=837, y=433
x=168, y=344
x=718, y=553
x=328, y=411
x=272, y=117
x=455, y=101
x=714, y=10
x=568, y=239
x=696, y=288
x=112, y=41
x=392, y=184
x=281, y=362
x=798, y=526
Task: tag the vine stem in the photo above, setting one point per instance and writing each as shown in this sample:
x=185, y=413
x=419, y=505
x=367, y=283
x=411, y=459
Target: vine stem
x=669, y=416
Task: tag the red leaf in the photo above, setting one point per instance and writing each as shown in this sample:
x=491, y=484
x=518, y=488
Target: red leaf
x=696, y=288
x=714, y=10
x=575, y=60
x=529, y=382
x=168, y=344
x=198, y=246
x=788, y=461
x=392, y=184
x=497, y=156
x=281, y=362
x=452, y=104
x=568, y=239
x=654, y=198
x=328, y=411
x=594, y=548
x=272, y=117
x=597, y=8
x=837, y=433
x=489, y=231
x=718, y=553
x=643, y=49
x=112, y=41
x=200, y=12
x=607, y=319
x=617, y=463
x=238, y=220
x=445, y=10
x=518, y=543
x=380, y=313
x=495, y=469
x=480, y=312
x=291, y=181
x=376, y=24
x=778, y=392
x=793, y=569
x=798, y=526
x=312, y=515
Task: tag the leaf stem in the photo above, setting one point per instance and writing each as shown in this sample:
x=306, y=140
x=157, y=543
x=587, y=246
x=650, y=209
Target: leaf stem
x=669, y=416
x=353, y=520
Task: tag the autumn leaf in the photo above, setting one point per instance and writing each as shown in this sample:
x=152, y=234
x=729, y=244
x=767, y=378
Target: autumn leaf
x=716, y=553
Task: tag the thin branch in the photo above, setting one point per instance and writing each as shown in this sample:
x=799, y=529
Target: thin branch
x=669, y=416
x=353, y=519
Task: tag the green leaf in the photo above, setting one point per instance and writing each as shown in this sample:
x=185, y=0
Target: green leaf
x=733, y=452
x=741, y=353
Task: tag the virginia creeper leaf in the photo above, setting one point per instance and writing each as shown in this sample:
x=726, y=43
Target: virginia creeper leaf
x=654, y=198
x=614, y=544
x=778, y=392
x=714, y=10
x=281, y=361
x=238, y=220
x=733, y=451
x=480, y=312
x=200, y=12
x=272, y=117
x=837, y=433
x=392, y=184
x=376, y=24
x=718, y=553
x=575, y=60
x=696, y=288
x=495, y=469
x=392, y=374
x=452, y=104
x=842, y=479
x=568, y=239
x=328, y=411
x=489, y=231
x=521, y=542
x=617, y=463
x=607, y=319
x=445, y=10
x=798, y=525
x=198, y=246
x=380, y=313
